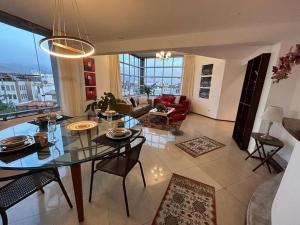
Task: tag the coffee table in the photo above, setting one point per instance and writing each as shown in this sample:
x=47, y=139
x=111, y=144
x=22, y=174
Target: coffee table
x=154, y=112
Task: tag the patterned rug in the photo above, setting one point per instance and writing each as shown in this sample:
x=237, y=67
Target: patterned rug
x=185, y=202
x=157, y=122
x=199, y=146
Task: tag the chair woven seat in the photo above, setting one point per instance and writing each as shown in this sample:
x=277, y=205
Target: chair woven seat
x=17, y=190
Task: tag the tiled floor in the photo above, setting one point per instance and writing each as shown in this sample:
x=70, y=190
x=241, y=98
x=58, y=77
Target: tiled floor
x=224, y=168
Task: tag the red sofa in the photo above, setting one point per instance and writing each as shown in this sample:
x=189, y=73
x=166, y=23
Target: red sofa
x=168, y=100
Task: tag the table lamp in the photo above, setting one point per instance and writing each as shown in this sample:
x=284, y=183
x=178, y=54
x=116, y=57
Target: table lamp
x=272, y=114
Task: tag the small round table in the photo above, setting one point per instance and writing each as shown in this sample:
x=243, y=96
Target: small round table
x=260, y=143
x=71, y=148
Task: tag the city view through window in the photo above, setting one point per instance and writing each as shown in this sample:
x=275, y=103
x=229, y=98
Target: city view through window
x=136, y=72
x=26, y=77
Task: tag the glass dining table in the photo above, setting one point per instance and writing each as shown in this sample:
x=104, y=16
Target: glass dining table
x=68, y=147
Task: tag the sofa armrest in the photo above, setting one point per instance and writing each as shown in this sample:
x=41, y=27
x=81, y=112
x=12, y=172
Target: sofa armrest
x=186, y=103
x=124, y=108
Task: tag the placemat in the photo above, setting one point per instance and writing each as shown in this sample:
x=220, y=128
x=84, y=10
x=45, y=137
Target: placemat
x=113, y=143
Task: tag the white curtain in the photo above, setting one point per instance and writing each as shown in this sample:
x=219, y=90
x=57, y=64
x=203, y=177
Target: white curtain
x=187, y=86
x=115, y=77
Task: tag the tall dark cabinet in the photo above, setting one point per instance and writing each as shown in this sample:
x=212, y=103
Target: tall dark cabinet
x=251, y=92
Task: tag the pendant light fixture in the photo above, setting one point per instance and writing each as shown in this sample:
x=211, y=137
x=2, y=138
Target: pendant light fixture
x=60, y=44
x=163, y=55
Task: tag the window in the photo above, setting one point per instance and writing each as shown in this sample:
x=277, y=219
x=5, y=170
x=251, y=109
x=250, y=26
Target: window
x=130, y=70
x=26, y=68
x=137, y=72
x=165, y=74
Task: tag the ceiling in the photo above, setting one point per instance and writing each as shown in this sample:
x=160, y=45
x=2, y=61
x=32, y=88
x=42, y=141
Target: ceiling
x=112, y=20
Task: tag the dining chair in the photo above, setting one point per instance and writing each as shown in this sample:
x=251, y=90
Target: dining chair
x=120, y=164
x=23, y=185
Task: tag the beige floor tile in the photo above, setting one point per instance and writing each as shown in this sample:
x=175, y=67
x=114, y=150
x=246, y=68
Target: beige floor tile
x=224, y=167
x=197, y=174
x=244, y=189
x=229, y=210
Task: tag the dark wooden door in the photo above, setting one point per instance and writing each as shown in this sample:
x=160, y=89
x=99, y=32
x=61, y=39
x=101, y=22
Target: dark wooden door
x=250, y=97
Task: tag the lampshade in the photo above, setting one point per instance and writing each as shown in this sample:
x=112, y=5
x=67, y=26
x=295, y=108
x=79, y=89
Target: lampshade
x=273, y=113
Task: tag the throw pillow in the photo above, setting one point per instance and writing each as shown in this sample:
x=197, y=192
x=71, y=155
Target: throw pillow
x=177, y=99
x=143, y=101
x=132, y=102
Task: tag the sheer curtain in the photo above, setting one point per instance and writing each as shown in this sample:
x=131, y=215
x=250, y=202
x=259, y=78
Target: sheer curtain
x=187, y=86
x=115, y=77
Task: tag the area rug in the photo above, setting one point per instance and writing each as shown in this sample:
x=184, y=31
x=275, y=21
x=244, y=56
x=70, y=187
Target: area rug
x=199, y=146
x=187, y=201
x=157, y=122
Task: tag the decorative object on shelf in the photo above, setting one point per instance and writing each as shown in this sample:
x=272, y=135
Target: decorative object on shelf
x=161, y=108
x=284, y=68
x=163, y=55
x=272, y=114
x=148, y=90
x=60, y=44
x=205, y=81
x=82, y=125
x=105, y=102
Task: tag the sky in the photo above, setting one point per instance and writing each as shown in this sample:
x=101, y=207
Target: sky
x=17, y=51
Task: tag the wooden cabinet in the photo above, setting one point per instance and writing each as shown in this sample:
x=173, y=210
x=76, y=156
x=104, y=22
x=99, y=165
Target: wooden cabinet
x=251, y=92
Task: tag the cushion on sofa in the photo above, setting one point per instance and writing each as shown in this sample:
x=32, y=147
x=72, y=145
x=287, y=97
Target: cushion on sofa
x=168, y=98
x=132, y=100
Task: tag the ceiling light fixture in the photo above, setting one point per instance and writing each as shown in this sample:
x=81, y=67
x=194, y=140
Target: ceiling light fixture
x=163, y=55
x=62, y=45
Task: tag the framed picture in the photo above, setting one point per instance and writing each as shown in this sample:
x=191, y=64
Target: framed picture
x=89, y=64
x=204, y=93
x=90, y=79
x=91, y=93
x=207, y=69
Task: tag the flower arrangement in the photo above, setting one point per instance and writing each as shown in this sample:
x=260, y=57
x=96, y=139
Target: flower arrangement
x=286, y=63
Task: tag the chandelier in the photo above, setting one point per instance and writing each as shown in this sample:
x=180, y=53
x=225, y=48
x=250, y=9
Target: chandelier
x=163, y=55
x=62, y=45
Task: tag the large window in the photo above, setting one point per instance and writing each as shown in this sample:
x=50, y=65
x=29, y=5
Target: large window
x=130, y=70
x=165, y=74
x=136, y=72
x=26, y=77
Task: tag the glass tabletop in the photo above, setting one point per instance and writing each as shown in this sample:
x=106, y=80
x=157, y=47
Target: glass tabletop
x=67, y=147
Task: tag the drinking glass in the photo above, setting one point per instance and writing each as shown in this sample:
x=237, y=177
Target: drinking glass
x=52, y=129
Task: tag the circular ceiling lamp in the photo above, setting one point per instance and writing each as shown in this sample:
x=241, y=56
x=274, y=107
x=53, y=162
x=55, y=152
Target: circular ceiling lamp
x=67, y=46
x=163, y=55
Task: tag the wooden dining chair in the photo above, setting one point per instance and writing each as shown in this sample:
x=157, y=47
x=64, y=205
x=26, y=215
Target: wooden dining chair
x=21, y=186
x=120, y=164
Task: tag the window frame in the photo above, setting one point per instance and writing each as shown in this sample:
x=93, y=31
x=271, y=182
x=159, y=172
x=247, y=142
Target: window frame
x=26, y=25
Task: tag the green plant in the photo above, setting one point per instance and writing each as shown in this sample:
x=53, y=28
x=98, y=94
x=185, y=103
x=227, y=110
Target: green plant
x=148, y=90
x=108, y=100
x=161, y=108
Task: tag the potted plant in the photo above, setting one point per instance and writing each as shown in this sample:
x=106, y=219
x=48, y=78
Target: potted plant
x=148, y=90
x=161, y=108
x=108, y=101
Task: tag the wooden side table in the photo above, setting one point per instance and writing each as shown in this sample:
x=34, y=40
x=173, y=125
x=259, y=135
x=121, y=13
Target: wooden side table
x=260, y=143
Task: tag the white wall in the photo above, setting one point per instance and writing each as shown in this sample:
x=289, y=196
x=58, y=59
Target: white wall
x=208, y=107
x=232, y=85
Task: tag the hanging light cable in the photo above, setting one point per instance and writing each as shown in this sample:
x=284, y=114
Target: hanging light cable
x=60, y=44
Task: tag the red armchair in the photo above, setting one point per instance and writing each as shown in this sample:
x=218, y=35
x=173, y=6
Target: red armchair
x=168, y=100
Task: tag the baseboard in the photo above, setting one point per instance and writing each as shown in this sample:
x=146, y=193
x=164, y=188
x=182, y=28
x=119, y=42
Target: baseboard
x=231, y=121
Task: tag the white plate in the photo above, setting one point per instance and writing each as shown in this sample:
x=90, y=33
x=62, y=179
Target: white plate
x=114, y=114
x=111, y=136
